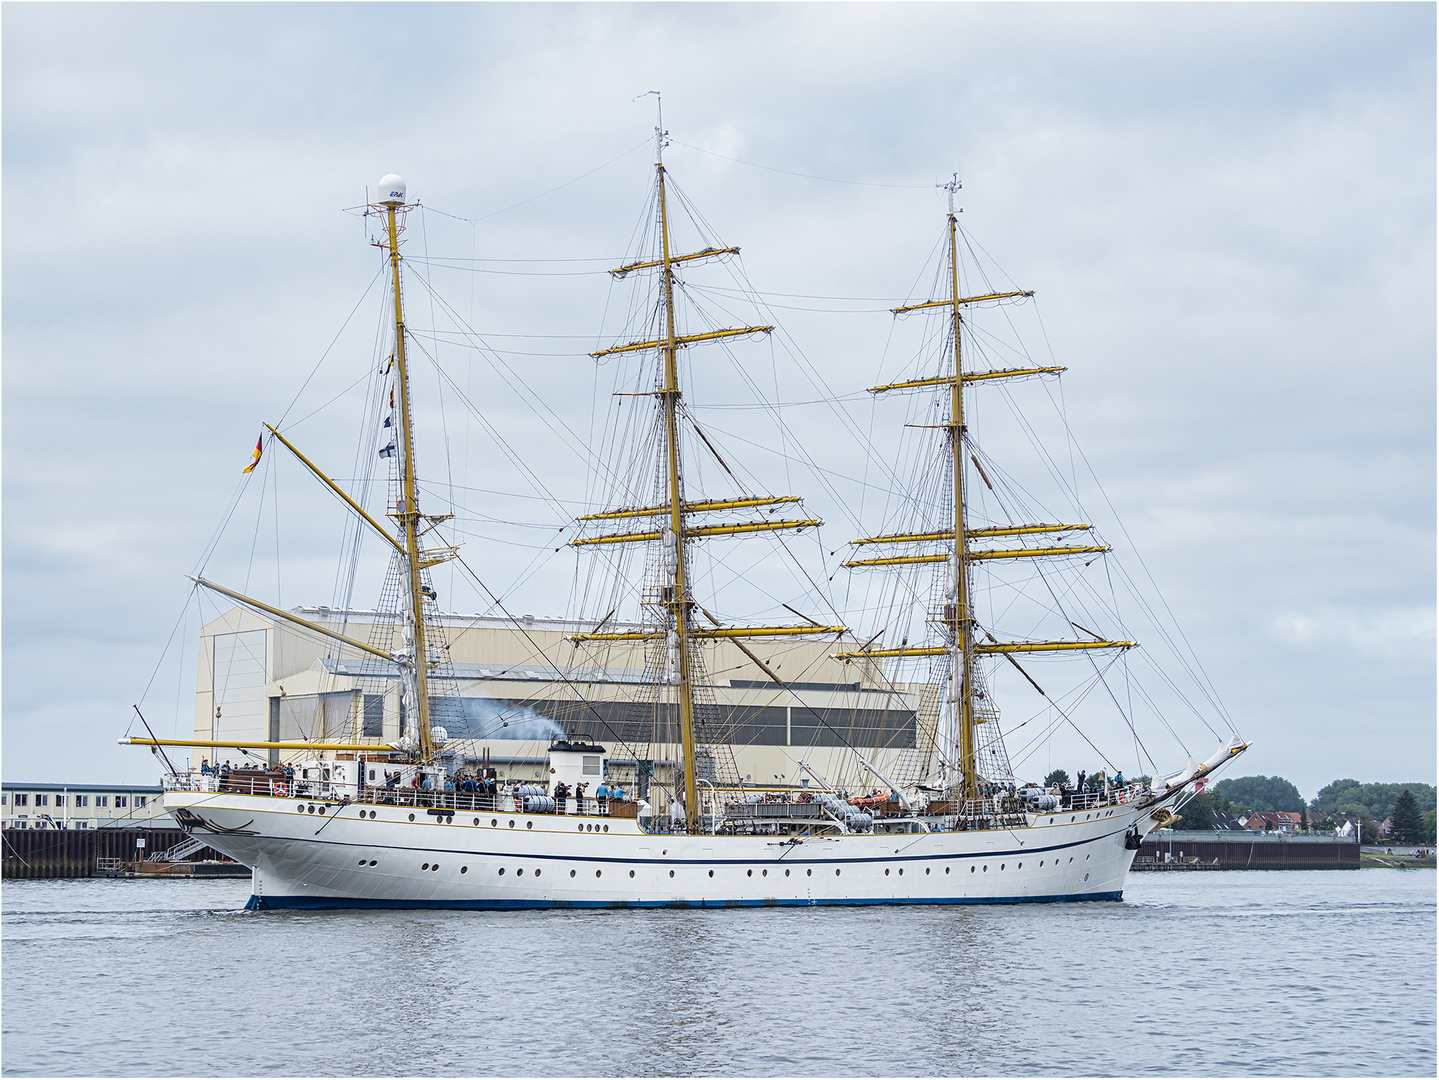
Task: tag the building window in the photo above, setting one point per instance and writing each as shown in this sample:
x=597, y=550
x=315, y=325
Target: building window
x=102, y=800
x=4, y=799
x=591, y=766
x=82, y=800
x=41, y=799
x=79, y=824
x=22, y=799
x=121, y=801
x=374, y=717
x=139, y=802
x=59, y=800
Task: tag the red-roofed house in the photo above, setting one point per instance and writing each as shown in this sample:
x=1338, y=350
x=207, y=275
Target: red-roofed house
x=1277, y=821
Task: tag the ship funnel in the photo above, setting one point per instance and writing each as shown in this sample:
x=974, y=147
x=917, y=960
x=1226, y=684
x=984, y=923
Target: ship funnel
x=392, y=190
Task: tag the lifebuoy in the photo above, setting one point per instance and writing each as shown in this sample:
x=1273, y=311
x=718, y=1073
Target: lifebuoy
x=278, y=788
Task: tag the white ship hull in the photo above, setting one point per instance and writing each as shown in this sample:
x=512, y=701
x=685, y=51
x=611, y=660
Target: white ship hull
x=411, y=857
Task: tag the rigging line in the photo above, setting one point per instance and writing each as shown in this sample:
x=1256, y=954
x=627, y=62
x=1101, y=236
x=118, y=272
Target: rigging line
x=564, y=678
x=319, y=409
x=887, y=300
x=570, y=438
x=511, y=273
x=803, y=176
x=607, y=260
x=184, y=610
x=439, y=385
x=328, y=348
x=259, y=517
x=219, y=532
x=541, y=195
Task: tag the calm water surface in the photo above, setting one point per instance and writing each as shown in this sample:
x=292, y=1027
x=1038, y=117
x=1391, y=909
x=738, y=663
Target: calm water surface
x=1222, y=973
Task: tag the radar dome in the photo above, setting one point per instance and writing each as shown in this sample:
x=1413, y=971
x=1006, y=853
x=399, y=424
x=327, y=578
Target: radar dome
x=392, y=190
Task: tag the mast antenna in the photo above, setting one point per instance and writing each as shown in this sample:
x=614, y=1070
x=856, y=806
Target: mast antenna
x=951, y=186
x=661, y=135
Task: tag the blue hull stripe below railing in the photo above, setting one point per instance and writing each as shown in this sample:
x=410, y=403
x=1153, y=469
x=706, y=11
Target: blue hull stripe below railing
x=258, y=903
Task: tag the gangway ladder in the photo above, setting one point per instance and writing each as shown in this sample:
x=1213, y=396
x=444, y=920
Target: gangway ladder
x=187, y=846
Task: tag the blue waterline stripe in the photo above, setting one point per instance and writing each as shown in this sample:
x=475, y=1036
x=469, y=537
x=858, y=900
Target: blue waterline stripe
x=326, y=903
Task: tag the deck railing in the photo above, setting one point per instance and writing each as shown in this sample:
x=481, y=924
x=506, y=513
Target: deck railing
x=278, y=785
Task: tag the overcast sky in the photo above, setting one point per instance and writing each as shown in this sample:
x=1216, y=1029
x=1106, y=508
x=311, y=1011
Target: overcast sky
x=1226, y=211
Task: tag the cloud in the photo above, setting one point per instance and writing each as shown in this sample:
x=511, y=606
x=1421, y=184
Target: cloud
x=1226, y=210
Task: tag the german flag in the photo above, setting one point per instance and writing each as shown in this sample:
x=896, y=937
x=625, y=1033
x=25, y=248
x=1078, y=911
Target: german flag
x=259, y=449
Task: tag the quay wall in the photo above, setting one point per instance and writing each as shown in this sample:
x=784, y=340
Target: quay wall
x=71, y=853
x=1253, y=851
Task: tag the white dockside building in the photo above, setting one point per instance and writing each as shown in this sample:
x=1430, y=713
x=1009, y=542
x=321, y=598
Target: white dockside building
x=83, y=806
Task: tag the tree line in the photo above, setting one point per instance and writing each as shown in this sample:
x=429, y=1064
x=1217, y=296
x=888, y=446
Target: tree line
x=1410, y=807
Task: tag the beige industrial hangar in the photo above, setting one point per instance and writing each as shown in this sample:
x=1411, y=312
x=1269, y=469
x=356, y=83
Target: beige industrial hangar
x=517, y=684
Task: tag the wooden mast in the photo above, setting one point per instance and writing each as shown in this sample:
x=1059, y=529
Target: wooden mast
x=963, y=642
x=679, y=600
x=407, y=511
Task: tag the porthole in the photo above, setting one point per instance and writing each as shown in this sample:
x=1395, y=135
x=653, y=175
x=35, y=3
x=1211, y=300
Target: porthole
x=836, y=872
x=786, y=873
x=1041, y=863
x=493, y=822
x=597, y=873
x=321, y=810
x=886, y=871
x=373, y=862
x=312, y=809
x=435, y=868
x=672, y=873
x=764, y=873
x=579, y=828
x=572, y=873
x=412, y=817
x=926, y=870
x=808, y=872
x=426, y=866
x=749, y=873
x=1051, y=821
x=1086, y=877
x=1071, y=858
x=512, y=823
x=712, y=873
x=300, y=809
x=946, y=869
x=372, y=815
x=984, y=869
x=632, y=873
x=1086, y=858
x=477, y=821
x=1001, y=866
x=529, y=824
x=362, y=862
x=464, y=869
x=665, y=851
x=1071, y=819
x=1020, y=866
x=502, y=871
x=972, y=869
x=537, y=872
x=607, y=828
x=901, y=871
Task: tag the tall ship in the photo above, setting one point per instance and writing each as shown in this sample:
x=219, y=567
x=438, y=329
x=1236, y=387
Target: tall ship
x=684, y=756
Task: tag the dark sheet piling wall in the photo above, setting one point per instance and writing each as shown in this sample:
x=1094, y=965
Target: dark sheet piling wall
x=1254, y=851
x=67, y=853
